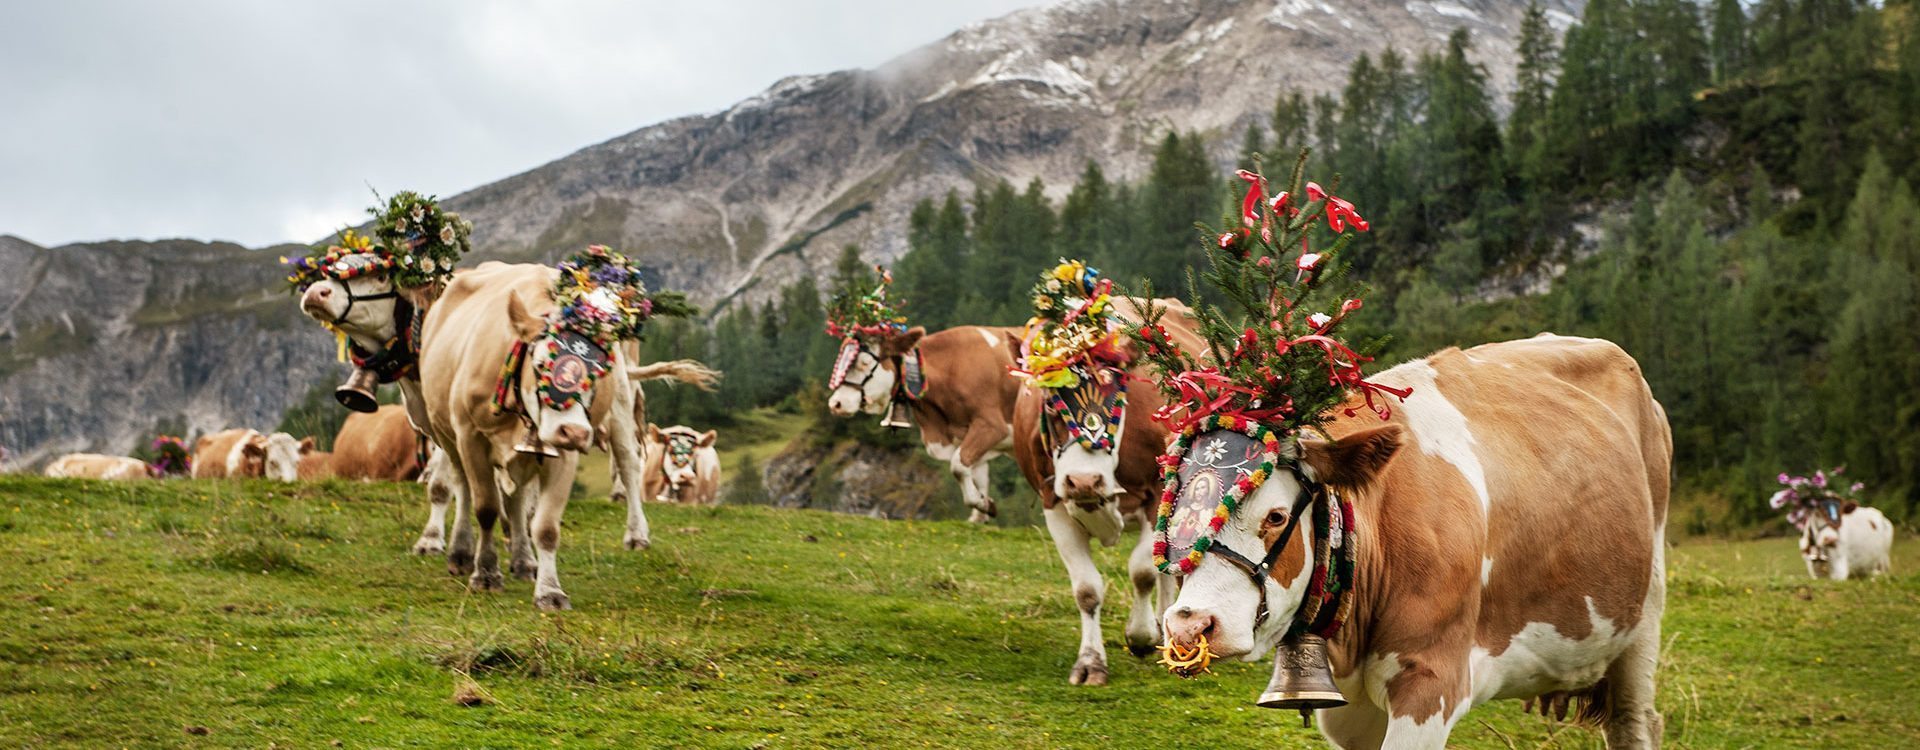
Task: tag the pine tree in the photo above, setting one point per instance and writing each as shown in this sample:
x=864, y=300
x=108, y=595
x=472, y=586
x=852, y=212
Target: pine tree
x=1292, y=118
x=1732, y=47
x=1181, y=189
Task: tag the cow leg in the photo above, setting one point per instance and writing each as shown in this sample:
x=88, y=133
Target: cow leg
x=970, y=467
x=1422, y=704
x=484, y=493
x=1632, y=720
x=439, y=496
x=1090, y=668
x=1356, y=726
x=623, y=435
x=552, y=502
x=460, y=551
x=520, y=502
x=1143, y=627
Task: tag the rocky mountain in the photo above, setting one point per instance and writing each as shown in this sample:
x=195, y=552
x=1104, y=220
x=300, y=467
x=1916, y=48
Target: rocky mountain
x=99, y=342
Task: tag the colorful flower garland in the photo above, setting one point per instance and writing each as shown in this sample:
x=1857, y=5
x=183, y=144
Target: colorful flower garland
x=428, y=240
x=852, y=313
x=1072, y=324
x=1803, y=495
x=1242, y=488
x=170, y=458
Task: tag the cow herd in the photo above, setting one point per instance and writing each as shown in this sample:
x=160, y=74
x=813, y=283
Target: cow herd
x=1492, y=528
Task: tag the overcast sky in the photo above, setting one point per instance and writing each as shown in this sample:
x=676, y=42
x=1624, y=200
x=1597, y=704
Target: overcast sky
x=264, y=122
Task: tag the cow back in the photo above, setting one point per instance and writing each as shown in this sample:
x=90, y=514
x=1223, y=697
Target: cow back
x=379, y=446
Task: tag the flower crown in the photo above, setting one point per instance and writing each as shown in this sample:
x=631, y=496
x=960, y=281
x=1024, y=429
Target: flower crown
x=1072, y=324
x=1280, y=360
x=1803, y=495
x=353, y=256
x=601, y=296
x=417, y=244
x=170, y=457
x=852, y=312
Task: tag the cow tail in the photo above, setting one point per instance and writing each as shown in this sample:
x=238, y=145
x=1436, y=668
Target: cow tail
x=681, y=370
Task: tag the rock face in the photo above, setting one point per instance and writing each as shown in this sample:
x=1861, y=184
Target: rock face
x=99, y=342
x=860, y=479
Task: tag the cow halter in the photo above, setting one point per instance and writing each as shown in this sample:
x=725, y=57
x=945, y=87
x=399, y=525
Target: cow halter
x=851, y=349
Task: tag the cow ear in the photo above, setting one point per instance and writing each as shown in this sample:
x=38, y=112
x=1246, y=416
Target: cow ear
x=1849, y=507
x=526, y=325
x=1014, y=341
x=254, y=448
x=653, y=432
x=306, y=445
x=1355, y=460
x=706, y=440
x=902, y=343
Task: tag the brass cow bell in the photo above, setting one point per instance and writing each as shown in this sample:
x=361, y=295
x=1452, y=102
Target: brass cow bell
x=531, y=445
x=899, y=415
x=357, y=393
x=1302, y=680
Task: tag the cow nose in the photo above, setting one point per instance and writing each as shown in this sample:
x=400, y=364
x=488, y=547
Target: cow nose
x=1083, y=485
x=572, y=437
x=315, y=300
x=1186, y=625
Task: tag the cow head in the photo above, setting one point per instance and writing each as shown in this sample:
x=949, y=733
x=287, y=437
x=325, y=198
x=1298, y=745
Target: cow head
x=557, y=379
x=1218, y=599
x=677, y=448
x=865, y=372
x=1084, y=425
x=280, y=456
x=1821, y=533
x=357, y=298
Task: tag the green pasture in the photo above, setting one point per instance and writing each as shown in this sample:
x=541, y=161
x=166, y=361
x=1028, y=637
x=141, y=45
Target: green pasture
x=203, y=614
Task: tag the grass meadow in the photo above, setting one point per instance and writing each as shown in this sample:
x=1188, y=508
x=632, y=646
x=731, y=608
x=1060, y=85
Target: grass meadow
x=186, y=613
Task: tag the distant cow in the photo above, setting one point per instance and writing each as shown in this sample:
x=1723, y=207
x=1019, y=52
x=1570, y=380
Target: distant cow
x=467, y=337
x=1509, y=522
x=1089, y=494
x=966, y=411
x=379, y=446
x=1842, y=540
x=681, y=465
x=243, y=453
x=96, y=466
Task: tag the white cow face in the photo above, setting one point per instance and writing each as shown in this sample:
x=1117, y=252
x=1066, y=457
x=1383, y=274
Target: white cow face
x=864, y=373
x=680, y=450
x=1086, y=435
x=283, y=456
x=560, y=378
x=1219, y=599
x=361, y=306
x=1821, y=535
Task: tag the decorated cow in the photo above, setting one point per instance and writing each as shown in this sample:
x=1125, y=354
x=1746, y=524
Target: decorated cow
x=1839, y=537
x=242, y=454
x=519, y=368
x=1472, y=526
x=953, y=384
x=682, y=465
x=1085, y=442
x=373, y=294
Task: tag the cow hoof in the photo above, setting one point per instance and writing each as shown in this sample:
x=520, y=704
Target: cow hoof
x=522, y=569
x=486, y=581
x=1092, y=675
x=458, y=565
x=638, y=543
x=429, y=547
x=977, y=517
x=1139, y=650
x=618, y=498
x=553, y=602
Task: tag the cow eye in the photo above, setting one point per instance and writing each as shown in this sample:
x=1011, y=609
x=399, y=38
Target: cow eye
x=1276, y=517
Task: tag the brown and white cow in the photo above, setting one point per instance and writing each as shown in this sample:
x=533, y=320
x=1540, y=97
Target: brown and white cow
x=97, y=466
x=466, y=338
x=1510, y=530
x=242, y=453
x=1843, y=539
x=1089, y=494
x=682, y=465
x=966, y=412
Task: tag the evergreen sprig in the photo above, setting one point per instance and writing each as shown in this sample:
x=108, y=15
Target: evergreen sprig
x=859, y=306
x=1272, y=353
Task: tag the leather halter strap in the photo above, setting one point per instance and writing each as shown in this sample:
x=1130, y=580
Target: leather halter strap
x=1261, y=572
x=860, y=386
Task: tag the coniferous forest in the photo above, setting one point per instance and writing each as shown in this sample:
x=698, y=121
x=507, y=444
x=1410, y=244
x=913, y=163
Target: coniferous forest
x=1725, y=190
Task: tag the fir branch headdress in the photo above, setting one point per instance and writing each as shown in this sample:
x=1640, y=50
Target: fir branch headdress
x=860, y=308
x=1802, y=496
x=1073, y=325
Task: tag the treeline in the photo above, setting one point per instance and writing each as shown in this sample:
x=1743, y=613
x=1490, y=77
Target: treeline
x=1728, y=194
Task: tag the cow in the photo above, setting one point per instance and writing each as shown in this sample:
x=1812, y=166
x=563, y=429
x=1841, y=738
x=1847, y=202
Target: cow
x=242, y=453
x=1509, y=531
x=966, y=411
x=681, y=465
x=381, y=445
x=96, y=466
x=1843, y=539
x=1088, y=494
x=466, y=338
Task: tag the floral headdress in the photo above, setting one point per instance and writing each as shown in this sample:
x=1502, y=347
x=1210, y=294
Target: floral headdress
x=1272, y=370
x=414, y=241
x=602, y=300
x=860, y=310
x=1802, y=496
x=170, y=457
x=1072, y=326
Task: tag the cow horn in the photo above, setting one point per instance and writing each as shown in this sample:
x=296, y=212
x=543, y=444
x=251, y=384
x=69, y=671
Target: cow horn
x=357, y=393
x=1301, y=678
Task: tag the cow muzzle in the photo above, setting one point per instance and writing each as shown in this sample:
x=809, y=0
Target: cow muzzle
x=572, y=437
x=322, y=302
x=1084, y=487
